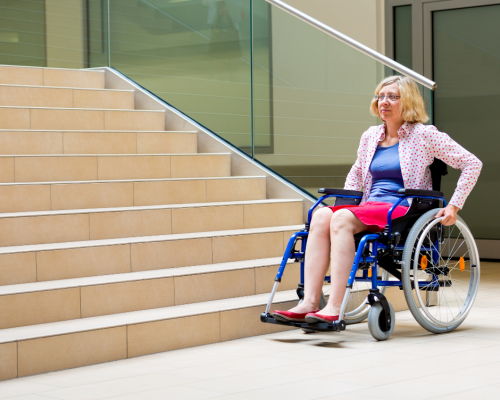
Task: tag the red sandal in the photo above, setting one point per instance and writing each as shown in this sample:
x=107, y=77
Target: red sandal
x=313, y=318
x=290, y=316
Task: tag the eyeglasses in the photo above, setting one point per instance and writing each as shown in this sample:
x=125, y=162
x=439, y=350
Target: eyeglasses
x=391, y=97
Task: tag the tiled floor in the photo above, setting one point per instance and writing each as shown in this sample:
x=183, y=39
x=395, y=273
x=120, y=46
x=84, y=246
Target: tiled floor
x=413, y=364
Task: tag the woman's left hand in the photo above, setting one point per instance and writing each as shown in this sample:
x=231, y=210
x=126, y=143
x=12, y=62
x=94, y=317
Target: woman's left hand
x=449, y=213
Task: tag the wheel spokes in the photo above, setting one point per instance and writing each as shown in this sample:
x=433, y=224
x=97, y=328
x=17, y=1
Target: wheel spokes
x=445, y=274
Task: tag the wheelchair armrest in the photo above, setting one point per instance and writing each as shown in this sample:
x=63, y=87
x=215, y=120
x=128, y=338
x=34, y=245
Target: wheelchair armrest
x=340, y=192
x=420, y=192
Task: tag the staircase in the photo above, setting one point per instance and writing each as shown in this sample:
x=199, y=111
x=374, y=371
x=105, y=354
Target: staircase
x=118, y=238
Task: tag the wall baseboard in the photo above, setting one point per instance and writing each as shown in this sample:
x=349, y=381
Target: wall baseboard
x=488, y=249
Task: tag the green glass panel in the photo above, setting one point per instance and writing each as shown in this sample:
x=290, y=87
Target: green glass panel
x=403, y=36
x=96, y=30
x=195, y=55
x=321, y=93
x=56, y=33
x=467, y=70
x=22, y=32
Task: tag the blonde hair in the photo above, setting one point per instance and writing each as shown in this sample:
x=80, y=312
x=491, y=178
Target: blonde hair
x=411, y=103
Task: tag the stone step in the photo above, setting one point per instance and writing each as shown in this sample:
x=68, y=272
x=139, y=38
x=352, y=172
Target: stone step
x=46, y=96
x=18, y=229
x=55, y=346
x=46, y=196
x=13, y=142
x=58, y=77
x=48, y=262
x=36, y=168
x=33, y=303
x=51, y=118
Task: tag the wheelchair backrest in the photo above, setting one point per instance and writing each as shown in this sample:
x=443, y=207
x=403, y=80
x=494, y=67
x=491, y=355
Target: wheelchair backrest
x=420, y=206
x=438, y=169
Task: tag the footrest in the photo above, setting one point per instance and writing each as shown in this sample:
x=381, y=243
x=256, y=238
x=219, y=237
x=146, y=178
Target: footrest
x=335, y=326
x=268, y=318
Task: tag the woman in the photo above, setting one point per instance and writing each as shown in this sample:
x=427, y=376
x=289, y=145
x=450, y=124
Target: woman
x=391, y=156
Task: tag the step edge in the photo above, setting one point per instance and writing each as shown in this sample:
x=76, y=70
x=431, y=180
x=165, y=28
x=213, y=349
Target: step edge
x=103, y=131
x=64, y=88
x=128, y=180
x=117, y=155
x=34, y=287
x=143, y=208
x=50, y=68
x=143, y=239
x=85, y=109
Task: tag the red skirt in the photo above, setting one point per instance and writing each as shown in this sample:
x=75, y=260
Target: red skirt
x=373, y=213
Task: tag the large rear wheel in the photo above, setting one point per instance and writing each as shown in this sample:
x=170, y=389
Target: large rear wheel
x=444, y=263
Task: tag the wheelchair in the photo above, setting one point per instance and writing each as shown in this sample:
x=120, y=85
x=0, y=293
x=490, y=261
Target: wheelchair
x=436, y=266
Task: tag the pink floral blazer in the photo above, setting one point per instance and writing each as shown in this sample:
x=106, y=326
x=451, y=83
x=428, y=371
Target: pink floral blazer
x=418, y=146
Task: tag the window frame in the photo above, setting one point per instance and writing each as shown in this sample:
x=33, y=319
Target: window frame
x=422, y=27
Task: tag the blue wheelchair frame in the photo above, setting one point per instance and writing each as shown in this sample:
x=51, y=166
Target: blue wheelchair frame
x=380, y=241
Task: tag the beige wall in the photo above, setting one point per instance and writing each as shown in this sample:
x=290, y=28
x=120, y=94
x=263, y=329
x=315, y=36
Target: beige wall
x=65, y=33
x=363, y=20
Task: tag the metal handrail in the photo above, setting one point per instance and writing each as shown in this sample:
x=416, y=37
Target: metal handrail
x=353, y=43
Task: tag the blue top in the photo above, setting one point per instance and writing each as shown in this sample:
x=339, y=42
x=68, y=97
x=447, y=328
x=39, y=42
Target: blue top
x=386, y=175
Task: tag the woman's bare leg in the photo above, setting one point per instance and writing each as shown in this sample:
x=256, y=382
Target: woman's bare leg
x=317, y=260
x=331, y=236
x=344, y=225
